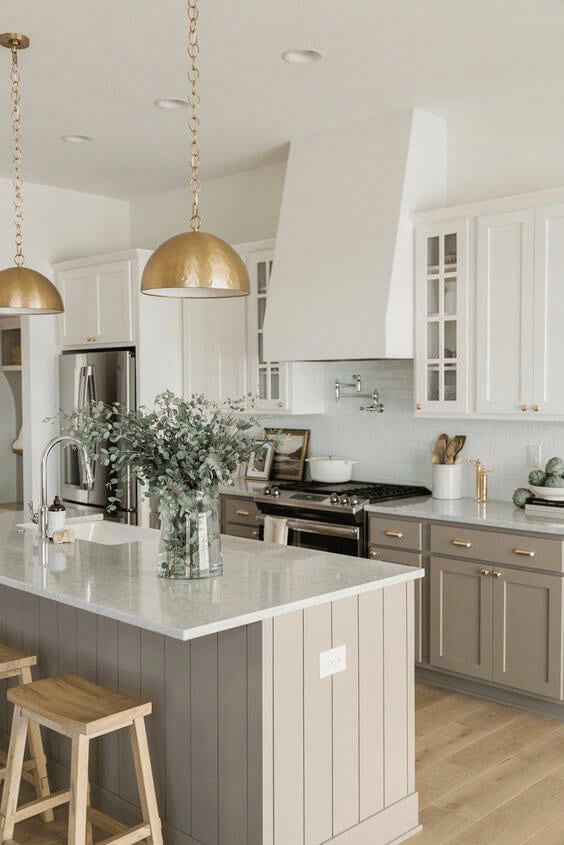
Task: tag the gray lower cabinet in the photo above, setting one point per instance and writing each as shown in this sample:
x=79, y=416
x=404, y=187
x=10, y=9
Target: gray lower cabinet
x=527, y=631
x=239, y=517
x=461, y=617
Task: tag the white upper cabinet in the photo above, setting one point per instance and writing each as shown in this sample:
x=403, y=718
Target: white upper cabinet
x=441, y=325
x=548, y=381
x=99, y=303
x=505, y=301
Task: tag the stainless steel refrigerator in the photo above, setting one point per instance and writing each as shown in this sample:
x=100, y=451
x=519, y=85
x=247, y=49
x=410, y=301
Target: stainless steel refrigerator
x=107, y=375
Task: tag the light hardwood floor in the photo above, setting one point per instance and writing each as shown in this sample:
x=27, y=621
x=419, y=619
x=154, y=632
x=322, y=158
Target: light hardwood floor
x=486, y=775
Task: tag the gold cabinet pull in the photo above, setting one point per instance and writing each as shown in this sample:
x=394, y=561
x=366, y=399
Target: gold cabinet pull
x=485, y=572
x=396, y=534
x=373, y=553
x=242, y=512
x=255, y=533
x=524, y=408
x=524, y=552
x=497, y=574
x=465, y=544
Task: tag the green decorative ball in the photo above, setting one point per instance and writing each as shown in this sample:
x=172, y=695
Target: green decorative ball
x=554, y=481
x=555, y=466
x=521, y=496
x=537, y=478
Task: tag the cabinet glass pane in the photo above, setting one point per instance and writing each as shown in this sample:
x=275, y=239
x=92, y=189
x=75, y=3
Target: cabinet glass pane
x=433, y=254
x=432, y=296
x=450, y=251
x=450, y=383
x=433, y=340
x=275, y=384
x=450, y=339
x=261, y=308
x=432, y=383
x=449, y=293
x=261, y=276
x=263, y=384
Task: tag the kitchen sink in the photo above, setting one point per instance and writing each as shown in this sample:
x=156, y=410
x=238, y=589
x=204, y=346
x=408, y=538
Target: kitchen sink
x=103, y=531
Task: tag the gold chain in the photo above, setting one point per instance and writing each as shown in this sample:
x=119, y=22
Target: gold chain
x=194, y=100
x=17, y=157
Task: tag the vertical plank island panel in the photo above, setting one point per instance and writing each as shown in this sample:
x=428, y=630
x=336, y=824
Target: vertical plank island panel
x=106, y=663
x=67, y=660
x=345, y=718
x=48, y=661
x=267, y=665
x=177, y=734
x=86, y=665
x=411, y=593
x=203, y=739
x=371, y=702
x=153, y=687
x=232, y=735
x=318, y=729
x=129, y=682
x=254, y=735
x=288, y=708
x=395, y=694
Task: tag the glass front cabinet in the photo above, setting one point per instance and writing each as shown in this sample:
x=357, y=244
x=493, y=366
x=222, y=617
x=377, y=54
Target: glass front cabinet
x=441, y=318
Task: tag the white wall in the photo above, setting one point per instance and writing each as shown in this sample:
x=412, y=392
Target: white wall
x=58, y=225
x=239, y=208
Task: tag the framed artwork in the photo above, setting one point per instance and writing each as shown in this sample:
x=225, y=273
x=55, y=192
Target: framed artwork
x=290, y=452
x=260, y=461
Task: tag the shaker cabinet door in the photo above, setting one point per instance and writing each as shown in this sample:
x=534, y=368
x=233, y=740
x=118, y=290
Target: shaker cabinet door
x=504, y=338
x=113, y=303
x=77, y=291
x=461, y=617
x=527, y=631
x=548, y=395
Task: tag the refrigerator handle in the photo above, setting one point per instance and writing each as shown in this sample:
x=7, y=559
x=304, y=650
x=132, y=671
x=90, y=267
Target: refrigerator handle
x=87, y=395
x=129, y=481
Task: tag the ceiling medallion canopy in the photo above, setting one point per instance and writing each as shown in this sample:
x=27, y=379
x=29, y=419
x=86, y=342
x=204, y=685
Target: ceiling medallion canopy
x=22, y=290
x=195, y=264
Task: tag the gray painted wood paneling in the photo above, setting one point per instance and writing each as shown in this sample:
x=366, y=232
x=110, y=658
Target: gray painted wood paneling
x=129, y=682
x=107, y=675
x=318, y=729
x=371, y=702
x=395, y=694
x=267, y=667
x=204, y=741
x=177, y=734
x=232, y=735
x=254, y=734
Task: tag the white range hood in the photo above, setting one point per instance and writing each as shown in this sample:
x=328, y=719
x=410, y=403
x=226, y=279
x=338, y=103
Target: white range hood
x=342, y=283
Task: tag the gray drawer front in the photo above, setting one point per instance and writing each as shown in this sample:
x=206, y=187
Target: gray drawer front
x=493, y=547
x=395, y=556
x=239, y=511
x=241, y=531
x=397, y=533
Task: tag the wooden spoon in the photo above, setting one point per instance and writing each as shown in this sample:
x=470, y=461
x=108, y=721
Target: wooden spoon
x=454, y=447
x=438, y=456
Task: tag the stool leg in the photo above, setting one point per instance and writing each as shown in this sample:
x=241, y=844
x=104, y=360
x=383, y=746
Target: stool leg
x=78, y=790
x=145, y=781
x=89, y=834
x=13, y=775
x=37, y=754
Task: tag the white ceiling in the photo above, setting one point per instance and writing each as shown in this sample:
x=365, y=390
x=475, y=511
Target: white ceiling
x=95, y=66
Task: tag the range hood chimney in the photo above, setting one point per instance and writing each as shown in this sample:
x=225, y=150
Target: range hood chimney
x=342, y=283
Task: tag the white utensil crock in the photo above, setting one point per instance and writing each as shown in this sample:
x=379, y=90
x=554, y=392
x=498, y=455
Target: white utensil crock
x=447, y=481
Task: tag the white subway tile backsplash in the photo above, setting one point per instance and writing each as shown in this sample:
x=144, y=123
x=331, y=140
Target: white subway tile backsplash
x=397, y=446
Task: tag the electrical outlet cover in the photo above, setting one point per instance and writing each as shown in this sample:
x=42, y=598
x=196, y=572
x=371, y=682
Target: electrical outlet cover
x=333, y=661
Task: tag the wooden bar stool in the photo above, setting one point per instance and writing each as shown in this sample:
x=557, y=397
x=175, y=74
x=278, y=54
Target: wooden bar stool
x=17, y=664
x=81, y=710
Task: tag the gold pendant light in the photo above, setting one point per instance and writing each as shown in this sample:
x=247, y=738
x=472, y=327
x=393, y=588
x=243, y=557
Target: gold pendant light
x=22, y=291
x=195, y=264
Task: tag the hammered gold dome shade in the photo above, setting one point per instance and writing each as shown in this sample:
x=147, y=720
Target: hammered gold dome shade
x=25, y=291
x=195, y=264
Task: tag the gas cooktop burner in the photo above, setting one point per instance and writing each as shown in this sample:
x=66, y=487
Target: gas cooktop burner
x=350, y=494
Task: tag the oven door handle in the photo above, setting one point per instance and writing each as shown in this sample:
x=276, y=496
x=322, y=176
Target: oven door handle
x=307, y=526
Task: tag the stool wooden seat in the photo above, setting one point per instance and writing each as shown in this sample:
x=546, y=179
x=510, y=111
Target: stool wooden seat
x=81, y=710
x=17, y=664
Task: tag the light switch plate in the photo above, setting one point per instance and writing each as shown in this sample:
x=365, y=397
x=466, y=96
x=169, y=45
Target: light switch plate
x=333, y=661
x=534, y=456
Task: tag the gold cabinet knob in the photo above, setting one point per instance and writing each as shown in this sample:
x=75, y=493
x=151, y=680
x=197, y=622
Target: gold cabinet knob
x=536, y=408
x=281, y=404
x=497, y=574
x=419, y=406
x=255, y=533
x=373, y=554
x=484, y=572
x=524, y=408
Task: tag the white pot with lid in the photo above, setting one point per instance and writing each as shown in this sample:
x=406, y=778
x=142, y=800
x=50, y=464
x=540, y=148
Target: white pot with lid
x=329, y=469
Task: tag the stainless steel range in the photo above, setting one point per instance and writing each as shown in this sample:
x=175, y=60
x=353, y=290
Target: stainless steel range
x=329, y=517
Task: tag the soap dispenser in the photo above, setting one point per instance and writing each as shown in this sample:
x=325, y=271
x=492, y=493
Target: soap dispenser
x=56, y=516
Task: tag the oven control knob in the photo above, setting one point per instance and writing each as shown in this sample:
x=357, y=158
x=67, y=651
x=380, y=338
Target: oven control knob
x=267, y=491
x=354, y=501
x=334, y=498
x=275, y=491
x=344, y=500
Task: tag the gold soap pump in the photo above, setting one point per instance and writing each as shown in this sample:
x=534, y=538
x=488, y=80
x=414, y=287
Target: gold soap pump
x=481, y=481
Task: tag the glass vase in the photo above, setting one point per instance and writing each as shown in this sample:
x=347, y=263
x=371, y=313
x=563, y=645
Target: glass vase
x=190, y=544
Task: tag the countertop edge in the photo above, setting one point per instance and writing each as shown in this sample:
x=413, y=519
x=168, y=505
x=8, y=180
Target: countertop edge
x=186, y=634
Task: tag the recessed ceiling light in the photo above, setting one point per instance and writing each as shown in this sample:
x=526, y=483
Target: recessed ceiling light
x=301, y=57
x=172, y=103
x=77, y=139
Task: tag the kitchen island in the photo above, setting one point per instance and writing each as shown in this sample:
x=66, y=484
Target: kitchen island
x=250, y=745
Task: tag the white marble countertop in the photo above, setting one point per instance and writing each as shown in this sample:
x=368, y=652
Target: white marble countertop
x=493, y=514
x=243, y=487
x=260, y=581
